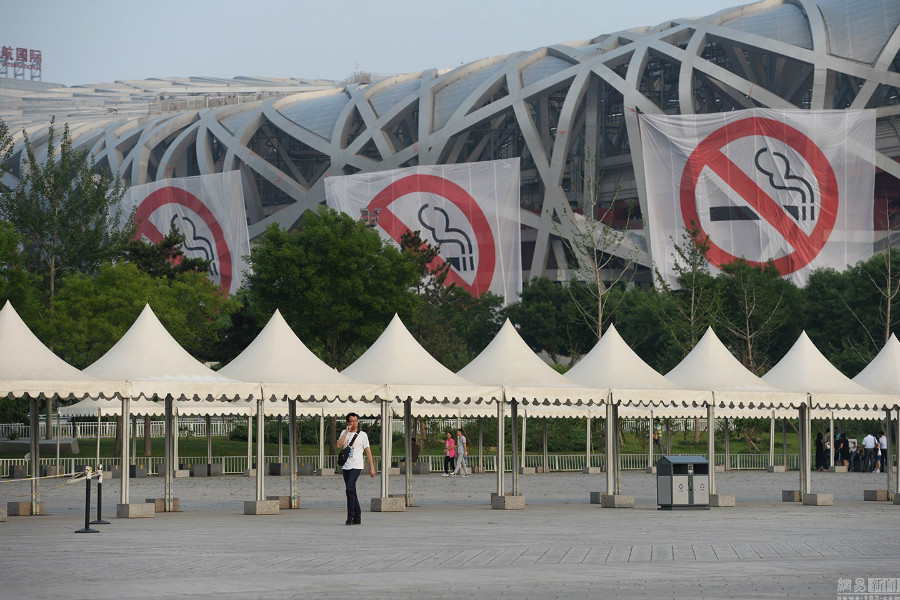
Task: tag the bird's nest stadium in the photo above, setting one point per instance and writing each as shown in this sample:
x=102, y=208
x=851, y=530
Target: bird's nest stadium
x=554, y=107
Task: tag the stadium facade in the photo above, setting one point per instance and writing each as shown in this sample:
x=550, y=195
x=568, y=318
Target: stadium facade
x=557, y=108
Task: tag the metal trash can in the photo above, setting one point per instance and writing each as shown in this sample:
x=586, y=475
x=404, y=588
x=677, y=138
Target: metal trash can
x=682, y=483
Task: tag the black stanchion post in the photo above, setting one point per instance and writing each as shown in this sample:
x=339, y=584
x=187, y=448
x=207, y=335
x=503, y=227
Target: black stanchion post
x=99, y=520
x=87, y=506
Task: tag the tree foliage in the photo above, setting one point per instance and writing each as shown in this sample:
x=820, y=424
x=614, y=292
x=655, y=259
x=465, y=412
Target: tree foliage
x=92, y=312
x=335, y=281
x=66, y=212
x=165, y=258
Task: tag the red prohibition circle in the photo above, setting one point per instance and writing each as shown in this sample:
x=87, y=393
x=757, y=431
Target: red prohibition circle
x=175, y=195
x=708, y=153
x=432, y=184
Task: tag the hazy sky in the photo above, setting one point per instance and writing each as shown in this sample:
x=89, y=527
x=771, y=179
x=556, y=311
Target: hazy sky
x=88, y=41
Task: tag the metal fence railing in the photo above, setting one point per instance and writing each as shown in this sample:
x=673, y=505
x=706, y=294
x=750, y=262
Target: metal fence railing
x=556, y=462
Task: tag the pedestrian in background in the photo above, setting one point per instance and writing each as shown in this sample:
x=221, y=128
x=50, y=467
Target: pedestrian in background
x=462, y=451
x=449, y=455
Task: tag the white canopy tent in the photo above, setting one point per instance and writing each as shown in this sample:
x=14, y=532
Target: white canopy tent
x=524, y=378
x=155, y=365
x=805, y=370
x=710, y=366
x=29, y=369
x=409, y=374
x=632, y=382
x=287, y=371
x=883, y=376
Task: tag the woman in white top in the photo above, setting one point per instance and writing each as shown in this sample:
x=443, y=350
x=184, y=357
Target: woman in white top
x=462, y=452
x=358, y=442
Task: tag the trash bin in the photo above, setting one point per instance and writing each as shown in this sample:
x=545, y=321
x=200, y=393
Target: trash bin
x=682, y=483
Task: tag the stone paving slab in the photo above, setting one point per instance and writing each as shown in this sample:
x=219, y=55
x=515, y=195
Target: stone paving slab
x=454, y=545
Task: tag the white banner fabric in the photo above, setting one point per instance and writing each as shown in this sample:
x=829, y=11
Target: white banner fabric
x=208, y=209
x=794, y=186
x=470, y=211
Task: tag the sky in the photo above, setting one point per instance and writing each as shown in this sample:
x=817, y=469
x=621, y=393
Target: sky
x=92, y=41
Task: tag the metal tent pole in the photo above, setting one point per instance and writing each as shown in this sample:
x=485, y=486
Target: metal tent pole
x=772, y=440
x=249, y=443
x=35, y=454
x=260, y=449
x=407, y=448
x=522, y=455
x=587, y=444
x=98, y=441
x=208, y=444
x=169, y=467
x=546, y=456
x=481, y=444
x=886, y=455
x=711, y=443
x=514, y=416
x=126, y=437
x=617, y=448
x=385, y=447
x=292, y=440
x=280, y=440
x=501, y=441
x=322, y=444
x=831, y=440
x=650, y=443
x=610, y=469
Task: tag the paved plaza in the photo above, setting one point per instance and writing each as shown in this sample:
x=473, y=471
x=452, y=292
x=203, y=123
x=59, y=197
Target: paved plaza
x=452, y=545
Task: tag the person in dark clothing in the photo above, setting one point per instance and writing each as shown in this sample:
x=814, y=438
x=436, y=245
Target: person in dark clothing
x=821, y=455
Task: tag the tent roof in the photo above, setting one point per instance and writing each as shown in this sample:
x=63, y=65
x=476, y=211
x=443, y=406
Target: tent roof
x=804, y=369
x=509, y=362
x=153, y=363
x=28, y=367
x=710, y=366
x=612, y=363
x=883, y=373
x=286, y=368
x=407, y=370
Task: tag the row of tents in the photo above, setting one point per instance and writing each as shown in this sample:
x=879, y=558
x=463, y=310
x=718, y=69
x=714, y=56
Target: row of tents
x=397, y=376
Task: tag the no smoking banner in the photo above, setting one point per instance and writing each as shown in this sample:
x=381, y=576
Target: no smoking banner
x=794, y=187
x=208, y=210
x=470, y=211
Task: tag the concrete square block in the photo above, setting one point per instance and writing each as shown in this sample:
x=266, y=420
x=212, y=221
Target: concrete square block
x=474, y=468
x=527, y=470
x=306, y=469
x=135, y=510
x=215, y=470
x=199, y=470
x=159, y=504
x=249, y=472
x=791, y=496
x=592, y=470
x=597, y=497
x=261, y=507
x=18, y=472
x=181, y=473
x=720, y=468
x=23, y=509
x=392, y=504
x=838, y=469
x=507, y=502
x=617, y=501
x=279, y=469
x=897, y=499
x=2, y=514
x=776, y=469
x=721, y=500
x=818, y=499
x=650, y=470
x=328, y=473
x=50, y=470
x=393, y=470
x=284, y=502
x=876, y=495
x=407, y=502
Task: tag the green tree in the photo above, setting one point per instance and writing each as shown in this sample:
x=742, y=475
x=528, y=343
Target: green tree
x=67, y=214
x=17, y=284
x=336, y=282
x=549, y=318
x=755, y=313
x=92, y=312
x=165, y=258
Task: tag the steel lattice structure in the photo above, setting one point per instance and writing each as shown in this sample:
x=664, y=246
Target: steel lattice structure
x=554, y=107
